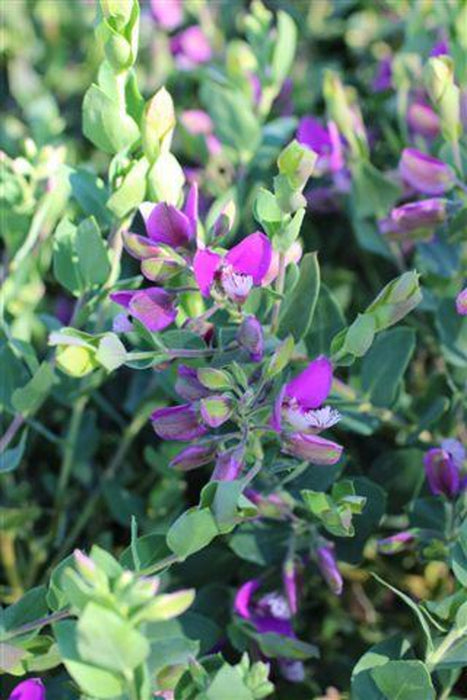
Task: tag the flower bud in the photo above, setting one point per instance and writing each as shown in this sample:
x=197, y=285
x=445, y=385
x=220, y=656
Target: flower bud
x=193, y=457
x=289, y=577
x=442, y=472
x=177, y=423
x=153, y=307
x=215, y=379
x=439, y=76
x=312, y=448
x=396, y=543
x=32, y=689
x=159, y=269
x=250, y=337
x=461, y=302
x=139, y=247
x=416, y=218
x=327, y=565
x=224, y=222
x=424, y=173
x=422, y=119
x=395, y=300
x=158, y=124
x=216, y=410
x=228, y=465
x=297, y=162
x=188, y=385
x=280, y=357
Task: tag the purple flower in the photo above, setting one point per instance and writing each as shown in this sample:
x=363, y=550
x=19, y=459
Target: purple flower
x=327, y=565
x=396, y=543
x=229, y=465
x=234, y=274
x=178, y=423
x=167, y=13
x=199, y=123
x=289, y=578
x=270, y=613
x=442, y=472
x=424, y=173
x=325, y=141
x=193, y=457
x=420, y=217
x=461, y=302
x=250, y=337
x=153, y=307
x=299, y=404
x=32, y=689
x=441, y=48
x=165, y=226
x=312, y=448
x=190, y=48
x=383, y=78
x=188, y=385
x=422, y=119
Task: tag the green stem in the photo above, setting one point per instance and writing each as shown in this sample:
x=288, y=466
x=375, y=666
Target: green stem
x=37, y=624
x=158, y=566
x=69, y=451
x=435, y=656
x=280, y=281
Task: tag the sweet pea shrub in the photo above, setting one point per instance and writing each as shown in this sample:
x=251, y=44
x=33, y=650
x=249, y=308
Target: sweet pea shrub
x=233, y=350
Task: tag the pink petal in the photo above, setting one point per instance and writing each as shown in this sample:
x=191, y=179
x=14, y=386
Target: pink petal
x=252, y=256
x=122, y=298
x=191, y=208
x=312, y=386
x=243, y=597
x=168, y=225
x=153, y=307
x=205, y=265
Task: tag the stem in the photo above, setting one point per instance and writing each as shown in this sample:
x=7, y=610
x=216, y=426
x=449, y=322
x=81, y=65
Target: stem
x=8, y=555
x=69, y=451
x=11, y=431
x=158, y=566
x=37, y=624
x=457, y=156
x=280, y=281
x=436, y=655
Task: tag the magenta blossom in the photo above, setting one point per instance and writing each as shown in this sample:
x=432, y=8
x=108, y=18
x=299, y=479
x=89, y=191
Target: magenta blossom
x=167, y=13
x=383, y=78
x=165, y=226
x=422, y=119
x=417, y=218
x=329, y=569
x=396, y=543
x=153, y=307
x=424, y=173
x=191, y=48
x=325, y=141
x=443, y=468
x=461, y=302
x=229, y=465
x=234, y=274
x=199, y=123
x=32, y=689
x=178, y=422
x=299, y=405
x=250, y=337
x=269, y=614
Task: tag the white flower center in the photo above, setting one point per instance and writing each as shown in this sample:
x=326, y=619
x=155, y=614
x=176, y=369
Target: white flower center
x=236, y=285
x=313, y=421
x=276, y=605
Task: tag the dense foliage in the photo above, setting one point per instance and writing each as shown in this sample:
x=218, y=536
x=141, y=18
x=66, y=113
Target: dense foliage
x=233, y=350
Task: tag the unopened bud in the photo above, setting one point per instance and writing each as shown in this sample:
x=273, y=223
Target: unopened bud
x=250, y=337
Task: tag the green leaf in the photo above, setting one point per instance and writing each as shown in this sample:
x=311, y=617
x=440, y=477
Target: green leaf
x=284, y=47
x=65, y=259
x=298, y=308
x=10, y=459
x=385, y=364
x=378, y=655
x=276, y=645
x=192, y=531
x=404, y=680
x=105, y=124
x=107, y=640
x=452, y=330
x=111, y=352
x=328, y=320
x=227, y=684
x=459, y=555
x=93, y=259
x=91, y=194
x=132, y=190
x=91, y=679
x=373, y=193
x=166, y=179
x=413, y=606
x=28, y=399
x=234, y=121
x=32, y=606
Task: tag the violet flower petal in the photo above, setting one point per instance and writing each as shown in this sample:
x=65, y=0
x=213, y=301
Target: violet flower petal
x=205, y=265
x=424, y=173
x=177, y=423
x=252, y=256
x=312, y=386
x=243, y=598
x=32, y=689
x=166, y=224
x=153, y=307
